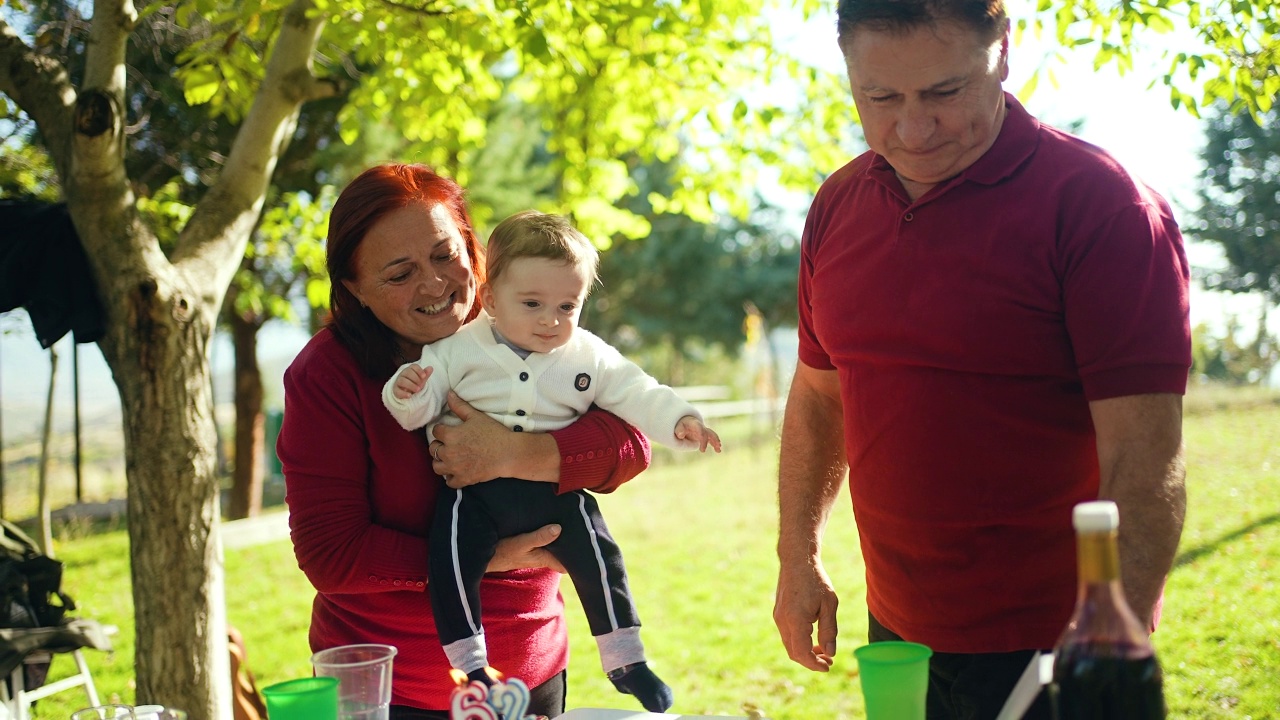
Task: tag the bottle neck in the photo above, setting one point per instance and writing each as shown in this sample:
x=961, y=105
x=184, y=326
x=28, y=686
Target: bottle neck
x=1102, y=616
x=1098, y=558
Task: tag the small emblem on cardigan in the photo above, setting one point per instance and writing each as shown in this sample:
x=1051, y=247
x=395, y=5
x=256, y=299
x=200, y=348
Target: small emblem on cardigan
x=582, y=382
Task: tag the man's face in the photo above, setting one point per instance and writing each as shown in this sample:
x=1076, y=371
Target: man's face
x=930, y=99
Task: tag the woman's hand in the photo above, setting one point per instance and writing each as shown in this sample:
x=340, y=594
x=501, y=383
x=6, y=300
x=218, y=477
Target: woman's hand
x=526, y=551
x=481, y=449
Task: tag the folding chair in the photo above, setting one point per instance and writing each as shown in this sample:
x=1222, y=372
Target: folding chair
x=23, y=647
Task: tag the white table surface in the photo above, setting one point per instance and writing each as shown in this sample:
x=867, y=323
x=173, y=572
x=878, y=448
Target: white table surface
x=601, y=714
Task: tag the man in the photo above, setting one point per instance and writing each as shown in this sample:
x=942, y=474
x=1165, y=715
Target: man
x=993, y=328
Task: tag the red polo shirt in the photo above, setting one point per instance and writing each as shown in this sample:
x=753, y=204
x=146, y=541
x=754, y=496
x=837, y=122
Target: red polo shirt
x=970, y=329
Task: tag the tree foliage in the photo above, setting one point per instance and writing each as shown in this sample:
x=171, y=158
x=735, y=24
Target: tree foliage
x=1224, y=359
x=616, y=84
x=1239, y=45
x=1240, y=213
x=1240, y=202
x=689, y=285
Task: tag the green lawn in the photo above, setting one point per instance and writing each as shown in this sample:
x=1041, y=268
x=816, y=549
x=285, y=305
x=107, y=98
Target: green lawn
x=698, y=535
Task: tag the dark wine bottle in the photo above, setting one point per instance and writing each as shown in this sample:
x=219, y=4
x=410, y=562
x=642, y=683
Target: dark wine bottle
x=1105, y=667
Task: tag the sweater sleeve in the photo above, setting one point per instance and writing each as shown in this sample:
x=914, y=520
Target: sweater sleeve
x=359, y=489
x=426, y=405
x=599, y=452
x=628, y=391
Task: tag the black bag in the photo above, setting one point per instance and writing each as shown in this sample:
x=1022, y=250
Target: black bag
x=30, y=582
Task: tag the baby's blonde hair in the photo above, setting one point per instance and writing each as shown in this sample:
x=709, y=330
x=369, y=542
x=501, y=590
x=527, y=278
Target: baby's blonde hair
x=533, y=234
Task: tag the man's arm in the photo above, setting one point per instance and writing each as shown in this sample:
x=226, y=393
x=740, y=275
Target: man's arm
x=812, y=466
x=1142, y=471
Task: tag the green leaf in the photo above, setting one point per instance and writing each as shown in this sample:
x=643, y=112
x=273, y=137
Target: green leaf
x=201, y=83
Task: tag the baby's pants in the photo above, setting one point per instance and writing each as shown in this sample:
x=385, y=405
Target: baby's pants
x=470, y=521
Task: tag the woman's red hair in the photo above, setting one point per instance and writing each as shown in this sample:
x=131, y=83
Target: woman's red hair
x=369, y=198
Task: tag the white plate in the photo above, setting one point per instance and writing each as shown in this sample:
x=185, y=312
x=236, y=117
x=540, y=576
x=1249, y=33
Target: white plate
x=601, y=714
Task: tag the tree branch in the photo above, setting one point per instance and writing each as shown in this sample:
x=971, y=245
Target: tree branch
x=113, y=22
x=417, y=10
x=41, y=87
x=214, y=239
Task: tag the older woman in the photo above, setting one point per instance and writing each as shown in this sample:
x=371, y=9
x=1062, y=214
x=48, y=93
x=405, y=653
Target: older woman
x=405, y=264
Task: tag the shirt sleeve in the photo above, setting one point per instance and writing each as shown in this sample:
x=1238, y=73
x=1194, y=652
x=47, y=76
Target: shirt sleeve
x=811, y=352
x=1126, y=293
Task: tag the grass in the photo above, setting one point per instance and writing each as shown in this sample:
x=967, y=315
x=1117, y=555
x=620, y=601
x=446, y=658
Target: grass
x=698, y=536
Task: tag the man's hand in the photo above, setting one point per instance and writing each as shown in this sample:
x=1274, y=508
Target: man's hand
x=526, y=551
x=811, y=470
x=805, y=596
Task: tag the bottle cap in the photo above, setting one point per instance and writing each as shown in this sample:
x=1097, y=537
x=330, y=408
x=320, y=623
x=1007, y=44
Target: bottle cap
x=1096, y=516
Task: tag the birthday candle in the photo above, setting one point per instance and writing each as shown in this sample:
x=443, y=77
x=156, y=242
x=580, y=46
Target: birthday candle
x=510, y=698
x=470, y=703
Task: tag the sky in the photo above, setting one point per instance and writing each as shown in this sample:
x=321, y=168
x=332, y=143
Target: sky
x=1119, y=113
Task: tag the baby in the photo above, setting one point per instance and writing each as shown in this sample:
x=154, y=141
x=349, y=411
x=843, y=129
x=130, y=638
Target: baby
x=525, y=362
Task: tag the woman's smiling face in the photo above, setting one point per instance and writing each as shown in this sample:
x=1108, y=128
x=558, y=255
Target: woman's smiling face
x=413, y=273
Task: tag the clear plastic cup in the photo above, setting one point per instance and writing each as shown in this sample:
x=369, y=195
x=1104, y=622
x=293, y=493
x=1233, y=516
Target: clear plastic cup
x=364, y=679
x=104, y=712
x=158, y=712
x=895, y=679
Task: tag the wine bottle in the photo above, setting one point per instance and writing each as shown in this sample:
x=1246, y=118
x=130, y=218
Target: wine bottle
x=1104, y=665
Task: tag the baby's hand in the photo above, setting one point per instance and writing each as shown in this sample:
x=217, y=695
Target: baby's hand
x=410, y=380
x=691, y=428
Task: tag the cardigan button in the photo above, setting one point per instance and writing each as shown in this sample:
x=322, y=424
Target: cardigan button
x=520, y=413
x=518, y=428
x=524, y=376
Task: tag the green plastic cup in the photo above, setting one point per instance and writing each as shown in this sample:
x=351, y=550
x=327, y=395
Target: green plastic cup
x=895, y=679
x=313, y=698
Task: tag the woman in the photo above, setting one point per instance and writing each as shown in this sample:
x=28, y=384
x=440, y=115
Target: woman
x=404, y=264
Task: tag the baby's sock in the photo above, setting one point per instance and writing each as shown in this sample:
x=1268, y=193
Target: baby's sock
x=637, y=679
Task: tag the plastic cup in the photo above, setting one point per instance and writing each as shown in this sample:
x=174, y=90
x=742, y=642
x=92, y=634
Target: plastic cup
x=101, y=712
x=895, y=679
x=313, y=698
x=158, y=712
x=364, y=679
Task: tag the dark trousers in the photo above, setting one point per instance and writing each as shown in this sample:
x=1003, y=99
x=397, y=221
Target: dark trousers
x=466, y=529
x=545, y=699
x=970, y=686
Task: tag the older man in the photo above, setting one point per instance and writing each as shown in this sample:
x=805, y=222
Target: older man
x=993, y=328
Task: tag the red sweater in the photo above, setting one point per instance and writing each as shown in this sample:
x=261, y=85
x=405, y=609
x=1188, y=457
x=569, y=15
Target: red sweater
x=360, y=491
x=970, y=330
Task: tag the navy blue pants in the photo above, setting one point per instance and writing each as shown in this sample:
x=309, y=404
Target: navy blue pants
x=974, y=686
x=468, y=524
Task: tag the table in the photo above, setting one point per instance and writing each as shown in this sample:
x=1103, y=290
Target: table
x=602, y=714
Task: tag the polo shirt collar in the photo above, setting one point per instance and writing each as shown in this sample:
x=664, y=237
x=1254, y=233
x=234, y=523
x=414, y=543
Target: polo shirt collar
x=1015, y=144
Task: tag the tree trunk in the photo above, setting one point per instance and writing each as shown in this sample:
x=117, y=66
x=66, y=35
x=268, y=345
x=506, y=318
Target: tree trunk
x=42, y=500
x=247, y=477
x=157, y=345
